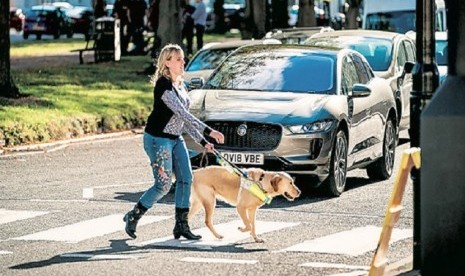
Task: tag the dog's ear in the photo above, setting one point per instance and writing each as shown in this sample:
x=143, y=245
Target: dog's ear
x=275, y=181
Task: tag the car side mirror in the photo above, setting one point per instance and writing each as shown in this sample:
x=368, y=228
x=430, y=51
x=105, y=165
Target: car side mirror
x=408, y=67
x=196, y=83
x=360, y=90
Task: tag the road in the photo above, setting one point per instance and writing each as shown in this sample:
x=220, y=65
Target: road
x=61, y=214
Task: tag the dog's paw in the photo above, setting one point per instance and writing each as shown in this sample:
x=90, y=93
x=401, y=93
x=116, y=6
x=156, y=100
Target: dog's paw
x=243, y=229
x=258, y=240
x=219, y=237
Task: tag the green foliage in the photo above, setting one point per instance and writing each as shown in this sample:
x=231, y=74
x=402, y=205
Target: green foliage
x=75, y=100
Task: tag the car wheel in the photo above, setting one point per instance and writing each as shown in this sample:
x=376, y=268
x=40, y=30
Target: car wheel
x=382, y=168
x=57, y=34
x=336, y=181
x=38, y=36
x=25, y=35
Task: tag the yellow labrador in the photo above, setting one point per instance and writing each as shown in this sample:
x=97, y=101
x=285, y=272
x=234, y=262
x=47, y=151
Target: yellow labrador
x=216, y=182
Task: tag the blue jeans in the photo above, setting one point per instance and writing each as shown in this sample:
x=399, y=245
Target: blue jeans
x=168, y=156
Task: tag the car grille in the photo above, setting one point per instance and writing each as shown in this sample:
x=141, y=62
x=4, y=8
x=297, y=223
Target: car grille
x=258, y=136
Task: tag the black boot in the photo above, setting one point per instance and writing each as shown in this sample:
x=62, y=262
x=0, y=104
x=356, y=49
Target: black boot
x=181, y=227
x=132, y=218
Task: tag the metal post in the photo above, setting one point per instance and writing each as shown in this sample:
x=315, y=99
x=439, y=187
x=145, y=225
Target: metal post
x=443, y=157
x=425, y=81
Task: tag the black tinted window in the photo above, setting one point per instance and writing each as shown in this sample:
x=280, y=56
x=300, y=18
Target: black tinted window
x=276, y=70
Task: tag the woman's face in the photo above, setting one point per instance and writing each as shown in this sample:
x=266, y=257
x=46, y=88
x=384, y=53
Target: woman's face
x=176, y=65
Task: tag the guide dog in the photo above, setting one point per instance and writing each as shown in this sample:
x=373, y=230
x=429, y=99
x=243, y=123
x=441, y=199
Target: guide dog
x=216, y=182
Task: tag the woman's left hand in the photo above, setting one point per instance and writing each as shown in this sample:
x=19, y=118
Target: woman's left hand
x=218, y=136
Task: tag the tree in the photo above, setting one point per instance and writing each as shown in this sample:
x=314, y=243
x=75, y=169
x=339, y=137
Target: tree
x=7, y=87
x=255, y=18
x=353, y=13
x=279, y=14
x=170, y=22
x=306, y=17
x=218, y=11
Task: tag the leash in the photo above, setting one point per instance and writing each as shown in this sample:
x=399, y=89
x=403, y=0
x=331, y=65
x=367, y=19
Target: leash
x=252, y=186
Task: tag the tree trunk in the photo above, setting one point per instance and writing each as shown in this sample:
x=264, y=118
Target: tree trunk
x=7, y=87
x=218, y=11
x=255, y=16
x=352, y=14
x=306, y=17
x=279, y=14
x=170, y=22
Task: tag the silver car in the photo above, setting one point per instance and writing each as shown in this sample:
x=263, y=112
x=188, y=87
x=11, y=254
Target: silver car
x=301, y=109
x=390, y=55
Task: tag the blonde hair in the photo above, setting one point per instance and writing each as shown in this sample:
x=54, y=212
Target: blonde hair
x=166, y=54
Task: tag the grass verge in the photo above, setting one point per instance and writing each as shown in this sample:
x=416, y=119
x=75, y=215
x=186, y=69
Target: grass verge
x=72, y=100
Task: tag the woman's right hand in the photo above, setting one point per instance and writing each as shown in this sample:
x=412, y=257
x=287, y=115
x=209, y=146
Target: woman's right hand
x=218, y=136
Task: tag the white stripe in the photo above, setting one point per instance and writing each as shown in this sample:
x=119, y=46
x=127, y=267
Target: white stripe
x=354, y=242
x=352, y=273
x=5, y=252
x=98, y=257
x=88, y=229
x=330, y=265
x=228, y=230
x=12, y=215
x=218, y=261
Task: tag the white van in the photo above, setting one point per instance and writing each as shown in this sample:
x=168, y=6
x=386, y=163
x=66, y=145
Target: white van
x=397, y=15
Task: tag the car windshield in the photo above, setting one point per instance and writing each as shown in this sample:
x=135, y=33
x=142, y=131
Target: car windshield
x=441, y=52
x=399, y=21
x=39, y=13
x=377, y=51
x=277, y=70
x=208, y=59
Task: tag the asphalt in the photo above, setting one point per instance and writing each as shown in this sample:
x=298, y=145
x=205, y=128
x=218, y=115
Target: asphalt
x=402, y=267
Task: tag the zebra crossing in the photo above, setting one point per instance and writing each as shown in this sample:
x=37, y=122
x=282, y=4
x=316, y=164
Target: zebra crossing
x=354, y=242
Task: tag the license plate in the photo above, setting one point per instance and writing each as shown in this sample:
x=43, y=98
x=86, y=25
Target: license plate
x=37, y=27
x=244, y=158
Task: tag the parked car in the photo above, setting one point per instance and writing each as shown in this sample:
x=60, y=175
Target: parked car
x=82, y=19
x=46, y=20
x=301, y=109
x=16, y=18
x=205, y=61
x=387, y=53
x=441, y=52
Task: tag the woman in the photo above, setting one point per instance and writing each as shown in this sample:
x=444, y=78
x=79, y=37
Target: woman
x=165, y=145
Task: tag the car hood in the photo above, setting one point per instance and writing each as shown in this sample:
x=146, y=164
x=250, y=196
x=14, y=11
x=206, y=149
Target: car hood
x=259, y=106
x=197, y=74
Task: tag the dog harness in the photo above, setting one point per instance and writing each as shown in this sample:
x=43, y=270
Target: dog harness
x=254, y=187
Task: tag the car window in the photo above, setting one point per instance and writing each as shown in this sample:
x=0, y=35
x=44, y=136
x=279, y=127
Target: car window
x=401, y=57
x=279, y=70
x=377, y=51
x=441, y=52
x=395, y=21
x=349, y=75
x=362, y=71
x=208, y=59
x=410, y=50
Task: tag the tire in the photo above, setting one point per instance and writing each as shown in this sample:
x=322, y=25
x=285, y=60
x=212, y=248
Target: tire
x=336, y=181
x=382, y=168
x=25, y=35
x=38, y=36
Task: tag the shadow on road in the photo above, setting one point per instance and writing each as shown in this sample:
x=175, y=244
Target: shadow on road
x=119, y=249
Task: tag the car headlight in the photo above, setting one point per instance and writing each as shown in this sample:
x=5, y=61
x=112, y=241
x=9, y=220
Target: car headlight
x=318, y=126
